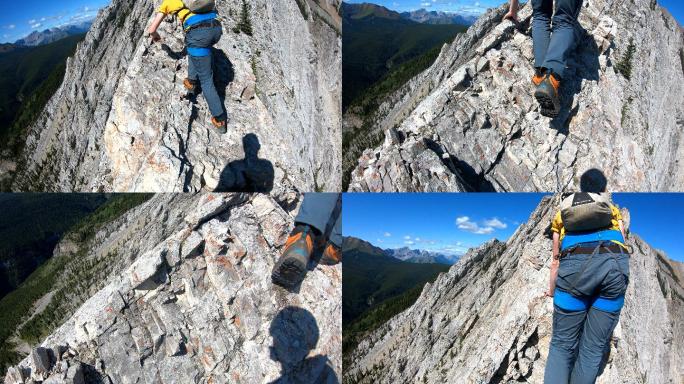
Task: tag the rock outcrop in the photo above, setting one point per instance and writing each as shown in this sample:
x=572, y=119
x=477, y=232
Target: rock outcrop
x=470, y=121
x=188, y=299
x=121, y=122
x=487, y=320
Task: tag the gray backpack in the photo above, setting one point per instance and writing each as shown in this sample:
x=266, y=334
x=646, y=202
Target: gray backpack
x=585, y=211
x=200, y=6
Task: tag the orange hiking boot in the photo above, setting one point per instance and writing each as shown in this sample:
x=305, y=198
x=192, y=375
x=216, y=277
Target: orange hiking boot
x=331, y=255
x=290, y=269
x=538, y=77
x=547, y=95
x=191, y=85
x=220, y=123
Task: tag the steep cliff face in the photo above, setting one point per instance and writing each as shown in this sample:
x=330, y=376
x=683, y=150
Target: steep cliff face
x=187, y=298
x=487, y=320
x=120, y=122
x=470, y=122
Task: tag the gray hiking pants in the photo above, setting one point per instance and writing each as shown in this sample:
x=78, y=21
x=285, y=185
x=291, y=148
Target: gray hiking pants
x=589, y=295
x=322, y=211
x=199, y=42
x=552, y=45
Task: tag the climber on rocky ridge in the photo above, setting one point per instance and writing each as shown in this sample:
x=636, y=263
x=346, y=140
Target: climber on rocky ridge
x=202, y=31
x=552, y=44
x=318, y=212
x=589, y=277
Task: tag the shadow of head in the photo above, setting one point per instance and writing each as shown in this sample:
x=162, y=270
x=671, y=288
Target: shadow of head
x=594, y=181
x=295, y=333
x=250, y=174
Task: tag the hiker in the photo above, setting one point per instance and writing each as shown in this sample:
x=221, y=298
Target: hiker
x=589, y=277
x=319, y=211
x=295, y=334
x=552, y=44
x=202, y=31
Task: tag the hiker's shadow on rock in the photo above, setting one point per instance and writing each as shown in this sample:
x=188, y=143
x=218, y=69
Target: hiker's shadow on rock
x=583, y=64
x=295, y=333
x=224, y=74
x=250, y=174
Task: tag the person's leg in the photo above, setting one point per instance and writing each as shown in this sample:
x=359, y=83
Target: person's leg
x=192, y=71
x=313, y=217
x=542, y=11
x=613, y=269
x=316, y=210
x=199, y=42
x=564, y=37
x=598, y=329
x=336, y=234
x=567, y=328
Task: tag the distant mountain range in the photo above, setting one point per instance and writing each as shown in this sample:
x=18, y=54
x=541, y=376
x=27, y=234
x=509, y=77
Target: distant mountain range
x=424, y=16
x=421, y=256
x=53, y=34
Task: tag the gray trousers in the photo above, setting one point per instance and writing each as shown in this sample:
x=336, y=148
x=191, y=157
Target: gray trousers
x=199, y=41
x=553, y=45
x=589, y=295
x=322, y=211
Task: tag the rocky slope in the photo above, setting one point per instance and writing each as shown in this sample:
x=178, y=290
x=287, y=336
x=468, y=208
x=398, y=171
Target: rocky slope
x=487, y=320
x=119, y=122
x=470, y=121
x=187, y=298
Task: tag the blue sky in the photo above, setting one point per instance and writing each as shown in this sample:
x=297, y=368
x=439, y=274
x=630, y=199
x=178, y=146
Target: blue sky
x=452, y=223
x=442, y=222
x=26, y=16
x=477, y=7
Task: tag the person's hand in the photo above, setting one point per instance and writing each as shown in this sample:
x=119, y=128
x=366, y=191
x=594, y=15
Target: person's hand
x=511, y=15
x=548, y=293
x=155, y=36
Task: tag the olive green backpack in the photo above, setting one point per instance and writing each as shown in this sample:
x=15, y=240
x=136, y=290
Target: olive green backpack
x=200, y=6
x=586, y=211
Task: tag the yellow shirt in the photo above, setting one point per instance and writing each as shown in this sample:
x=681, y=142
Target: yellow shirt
x=175, y=7
x=557, y=223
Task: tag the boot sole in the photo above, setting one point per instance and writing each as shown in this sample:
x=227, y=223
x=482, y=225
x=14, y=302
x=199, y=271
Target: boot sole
x=548, y=108
x=289, y=273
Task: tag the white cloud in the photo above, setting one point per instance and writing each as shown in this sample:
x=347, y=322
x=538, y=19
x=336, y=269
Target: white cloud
x=417, y=239
x=407, y=237
x=496, y=223
x=464, y=223
x=387, y=234
x=36, y=25
x=409, y=242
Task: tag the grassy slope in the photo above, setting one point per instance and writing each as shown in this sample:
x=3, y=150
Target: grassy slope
x=16, y=306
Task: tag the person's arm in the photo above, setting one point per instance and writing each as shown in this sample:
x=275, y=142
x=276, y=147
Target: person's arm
x=621, y=224
x=155, y=25
x=513, y=11
x=555, y=262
